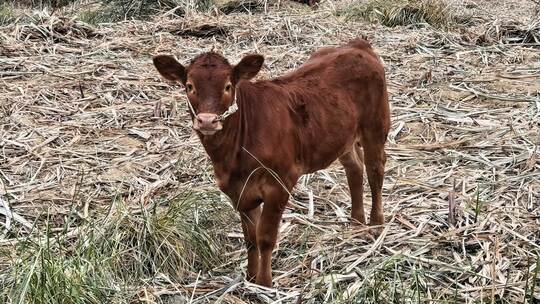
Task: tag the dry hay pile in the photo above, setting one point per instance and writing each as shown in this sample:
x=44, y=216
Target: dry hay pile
x=86, y=120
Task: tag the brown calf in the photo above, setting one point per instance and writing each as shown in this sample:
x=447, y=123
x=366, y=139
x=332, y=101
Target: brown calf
x=262, y=136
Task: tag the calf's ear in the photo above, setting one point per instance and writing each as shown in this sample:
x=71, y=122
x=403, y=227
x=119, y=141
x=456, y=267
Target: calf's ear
x=248, y=67
x=170, y=69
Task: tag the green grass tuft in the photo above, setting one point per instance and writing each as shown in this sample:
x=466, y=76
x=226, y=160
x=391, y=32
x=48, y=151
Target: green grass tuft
x=393, y=13
x=43, y=3
x=104, y=260
x=118, y=10
x=6, y=13
x=171, y=242
x=51, y=270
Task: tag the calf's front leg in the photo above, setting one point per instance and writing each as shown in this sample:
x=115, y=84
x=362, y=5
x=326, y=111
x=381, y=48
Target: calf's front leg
x=250, y=219
x=267, y=232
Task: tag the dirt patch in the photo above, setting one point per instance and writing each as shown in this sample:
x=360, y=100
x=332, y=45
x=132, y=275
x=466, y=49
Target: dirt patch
x=202, y=31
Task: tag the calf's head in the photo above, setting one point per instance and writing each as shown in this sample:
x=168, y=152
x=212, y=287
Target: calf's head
x=210, y=83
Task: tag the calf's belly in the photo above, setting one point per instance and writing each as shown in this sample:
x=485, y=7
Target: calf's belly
x=325, y=152
x=333, y=129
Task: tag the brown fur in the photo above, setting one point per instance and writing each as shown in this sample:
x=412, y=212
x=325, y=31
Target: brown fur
x=334, y=106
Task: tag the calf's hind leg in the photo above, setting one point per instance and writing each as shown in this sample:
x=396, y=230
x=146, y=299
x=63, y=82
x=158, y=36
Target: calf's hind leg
x=353, y=163
x=375, y=159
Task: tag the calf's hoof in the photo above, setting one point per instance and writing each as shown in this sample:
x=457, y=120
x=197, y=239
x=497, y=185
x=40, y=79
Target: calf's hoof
x=265, y=281
x=378, y=221
x=358, y=221
x=376, y=231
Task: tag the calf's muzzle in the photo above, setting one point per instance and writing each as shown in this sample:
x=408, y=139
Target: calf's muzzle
x=207, y=123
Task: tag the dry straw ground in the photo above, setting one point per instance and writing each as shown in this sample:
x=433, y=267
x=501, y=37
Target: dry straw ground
x=87, y=125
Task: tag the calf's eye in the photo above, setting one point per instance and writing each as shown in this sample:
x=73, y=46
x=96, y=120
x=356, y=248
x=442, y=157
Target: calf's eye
x=228, y=87
x=189, y=87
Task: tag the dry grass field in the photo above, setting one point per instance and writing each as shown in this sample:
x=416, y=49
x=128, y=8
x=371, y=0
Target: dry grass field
x=107, y=196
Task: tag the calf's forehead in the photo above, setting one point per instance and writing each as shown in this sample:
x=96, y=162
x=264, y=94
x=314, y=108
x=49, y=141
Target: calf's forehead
x=210, y=75
x=209, y=67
